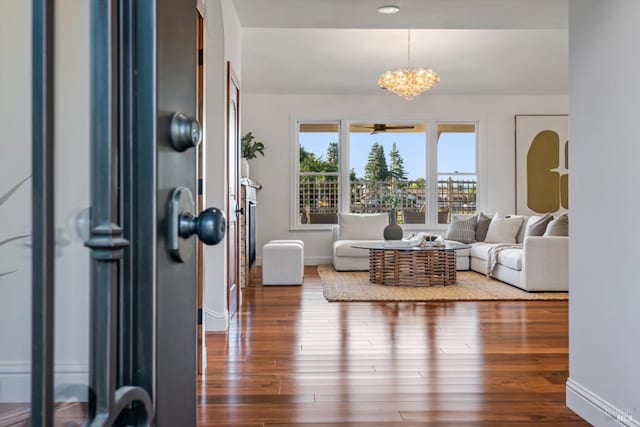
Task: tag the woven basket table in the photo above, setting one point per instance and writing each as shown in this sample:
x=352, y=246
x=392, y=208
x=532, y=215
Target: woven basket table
x=412, y=266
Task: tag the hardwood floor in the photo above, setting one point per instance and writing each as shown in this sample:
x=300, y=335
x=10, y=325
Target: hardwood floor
x=290, y=358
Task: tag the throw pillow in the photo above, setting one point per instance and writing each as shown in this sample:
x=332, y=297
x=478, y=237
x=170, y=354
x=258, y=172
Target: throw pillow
x=362, y=226
x=503, y=230
x=538, y=227
x=462, y=229
x=482, y=226
x=523, y=226
x=559, y=226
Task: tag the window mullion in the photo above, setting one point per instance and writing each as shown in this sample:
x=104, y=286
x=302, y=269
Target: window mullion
x=432, y=173
x=345, y=182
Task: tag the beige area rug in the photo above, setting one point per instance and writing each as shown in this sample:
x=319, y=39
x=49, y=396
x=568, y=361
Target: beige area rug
x=471, y=286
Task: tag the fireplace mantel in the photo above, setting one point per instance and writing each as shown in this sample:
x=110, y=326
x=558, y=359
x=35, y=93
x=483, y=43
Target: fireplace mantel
x=248, y=202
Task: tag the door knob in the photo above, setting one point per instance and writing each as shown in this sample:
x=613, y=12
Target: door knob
x=185, y=132
x=209, y=226
x=182, y=224
x=240, y=211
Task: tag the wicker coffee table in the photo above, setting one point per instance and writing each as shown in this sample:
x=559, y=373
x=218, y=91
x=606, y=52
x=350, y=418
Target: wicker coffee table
x=430, y=265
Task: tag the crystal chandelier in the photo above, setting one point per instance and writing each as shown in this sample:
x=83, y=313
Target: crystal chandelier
x=408, y=82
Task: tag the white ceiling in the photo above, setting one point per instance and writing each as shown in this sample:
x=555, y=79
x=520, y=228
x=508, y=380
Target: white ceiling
x=478, y=47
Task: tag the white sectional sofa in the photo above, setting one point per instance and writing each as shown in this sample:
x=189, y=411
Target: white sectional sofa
x=539, y=264
x=532, y=256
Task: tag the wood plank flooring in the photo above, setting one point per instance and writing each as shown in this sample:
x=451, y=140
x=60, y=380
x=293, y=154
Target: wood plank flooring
x=290, y=358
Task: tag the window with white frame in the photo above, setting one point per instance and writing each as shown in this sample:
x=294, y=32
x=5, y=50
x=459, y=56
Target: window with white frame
x=457, y=177
x=425, y=171
x=387, y=163
x=318, y=169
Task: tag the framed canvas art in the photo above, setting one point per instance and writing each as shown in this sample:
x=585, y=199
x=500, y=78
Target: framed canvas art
x=542, y=164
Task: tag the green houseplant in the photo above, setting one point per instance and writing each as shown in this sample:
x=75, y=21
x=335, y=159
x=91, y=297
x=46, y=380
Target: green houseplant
x=251, y=148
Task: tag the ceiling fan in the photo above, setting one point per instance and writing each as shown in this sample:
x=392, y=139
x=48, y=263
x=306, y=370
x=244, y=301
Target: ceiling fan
x=381, y=127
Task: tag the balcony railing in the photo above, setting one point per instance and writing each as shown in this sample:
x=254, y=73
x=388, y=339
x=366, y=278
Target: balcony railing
x=319, y=198
x=318, y=203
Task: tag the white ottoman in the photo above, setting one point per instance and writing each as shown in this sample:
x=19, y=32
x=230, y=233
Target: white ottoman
x=283, y=262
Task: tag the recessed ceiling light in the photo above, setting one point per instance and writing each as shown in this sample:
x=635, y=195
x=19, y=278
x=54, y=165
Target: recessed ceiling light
x=388, y=10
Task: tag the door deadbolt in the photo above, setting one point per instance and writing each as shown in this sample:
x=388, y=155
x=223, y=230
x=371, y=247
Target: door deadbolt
x=185, y=132
x=209, y=226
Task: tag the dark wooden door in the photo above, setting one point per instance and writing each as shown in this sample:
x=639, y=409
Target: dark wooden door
x=142, y=219
x=176, y=291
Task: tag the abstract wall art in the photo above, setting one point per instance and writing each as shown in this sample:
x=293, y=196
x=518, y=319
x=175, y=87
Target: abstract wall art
x=542, y=164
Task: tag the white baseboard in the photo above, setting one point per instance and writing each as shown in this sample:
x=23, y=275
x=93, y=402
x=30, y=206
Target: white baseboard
x=596, y=410
x=215, y=321
x=317, y=260
x=15, y=381
x=308, y=260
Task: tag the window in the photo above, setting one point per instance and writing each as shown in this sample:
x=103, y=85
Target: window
x=457, y=177
x=318, y=173
x=426, y=171
x=387, y=169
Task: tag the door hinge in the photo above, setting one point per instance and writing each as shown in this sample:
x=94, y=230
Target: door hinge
x=200, y=185
x=200, y=56
x=199, y=316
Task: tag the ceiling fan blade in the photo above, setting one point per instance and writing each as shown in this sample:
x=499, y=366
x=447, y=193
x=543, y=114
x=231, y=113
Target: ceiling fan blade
x=401, y=127
x=381, y=127
x=361, y=126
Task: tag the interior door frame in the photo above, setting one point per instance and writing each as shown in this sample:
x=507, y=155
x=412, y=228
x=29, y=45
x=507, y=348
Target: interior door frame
x=233, y=286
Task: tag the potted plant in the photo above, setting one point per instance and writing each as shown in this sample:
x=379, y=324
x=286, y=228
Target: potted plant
x=250, y=150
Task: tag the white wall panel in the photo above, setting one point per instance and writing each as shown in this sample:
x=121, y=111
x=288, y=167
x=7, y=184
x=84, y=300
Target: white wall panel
x=604, y=320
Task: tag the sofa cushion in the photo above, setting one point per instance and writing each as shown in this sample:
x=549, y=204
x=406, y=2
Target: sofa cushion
x=344, y=248
x=511, y=258
x=536, y=226
x=362, y=226
x=482, y=226
x=481, y=250
x=523, y=226
x=559, y=226
x=461, y=252
x=503, y=230
x=462, y=229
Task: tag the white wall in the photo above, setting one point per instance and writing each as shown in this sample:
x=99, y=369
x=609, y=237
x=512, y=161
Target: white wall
x=270, y=117
x=232, y=37
x=604, y=319
x=15, y=213
x=222, y=44
x=71, y=197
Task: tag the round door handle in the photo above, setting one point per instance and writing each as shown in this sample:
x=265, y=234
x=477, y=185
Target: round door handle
x=210, y=226
x=185, y=132
x=240, y=211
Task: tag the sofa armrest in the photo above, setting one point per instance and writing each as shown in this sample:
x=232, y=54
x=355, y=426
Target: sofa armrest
x=545, y=263
x=335, y=231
